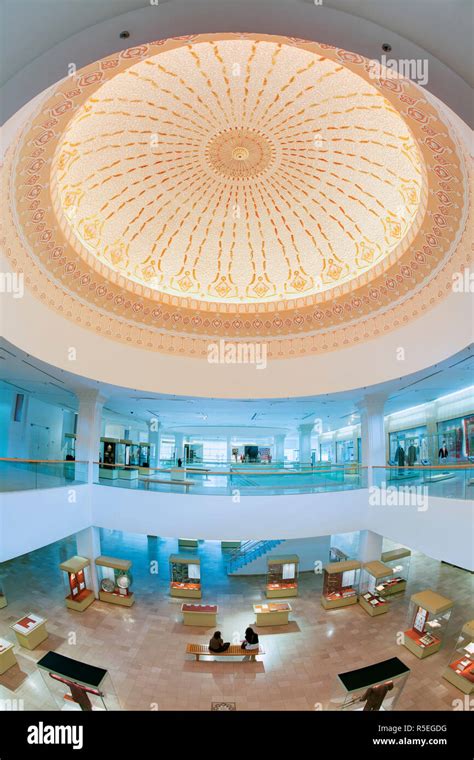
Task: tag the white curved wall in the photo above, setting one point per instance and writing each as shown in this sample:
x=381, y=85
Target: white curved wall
x=31, y=519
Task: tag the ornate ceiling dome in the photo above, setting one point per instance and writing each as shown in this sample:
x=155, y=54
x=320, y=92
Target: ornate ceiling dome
x=236, y=185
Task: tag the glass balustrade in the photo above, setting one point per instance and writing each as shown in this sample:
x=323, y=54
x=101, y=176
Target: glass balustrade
x=26, y=474
x=448, y=482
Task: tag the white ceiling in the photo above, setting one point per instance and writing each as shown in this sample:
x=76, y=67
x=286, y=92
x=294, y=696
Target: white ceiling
x=23, y=373
x=442, y=27
x=31, y=28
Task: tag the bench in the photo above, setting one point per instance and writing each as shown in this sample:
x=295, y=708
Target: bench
x=185, y=483
x=235, y=650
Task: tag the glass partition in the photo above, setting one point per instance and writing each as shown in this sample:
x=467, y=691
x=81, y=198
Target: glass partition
x=25, y=474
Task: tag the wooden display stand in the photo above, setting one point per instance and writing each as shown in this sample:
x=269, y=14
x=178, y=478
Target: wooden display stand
x=272, y=614
x=190, y=589
x=7, y=656
x=30, y=630
x=283, y=588
x=377, y=570
x=435, y=604
x=452, y=673
x=115, y=597
x=188, y=543
x=204, y=615
x=3, y=601
x=85, y=597
x=335, y=595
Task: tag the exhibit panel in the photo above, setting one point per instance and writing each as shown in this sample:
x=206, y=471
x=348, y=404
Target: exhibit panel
x=372, y=688
x=77, y=580
x=185, y=576
x=282, y=576
x=30, y=630
x=460, y=671
x=340, y=584
x=372, y=579
x=76, y=685
x=399, y=561
x=115, y=580
x=428, y=618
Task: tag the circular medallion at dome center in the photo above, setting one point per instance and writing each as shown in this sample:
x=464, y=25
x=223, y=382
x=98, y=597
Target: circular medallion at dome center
x=240, y=153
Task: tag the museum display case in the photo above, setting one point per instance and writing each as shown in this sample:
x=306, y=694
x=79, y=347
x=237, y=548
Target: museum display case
x=460, y=670
x=282, y=576
x=77, y=582
x=273, y=613
x=30, y=630
x=204, y=615
x=107, y=458
x=185, y=576
x=3, y=596
x=75, y=685
x=7, y=656
x=371, y=688
x=115, y=580
x=399, y=561
x=372, y=577
x=340, y=584
x=428, y=618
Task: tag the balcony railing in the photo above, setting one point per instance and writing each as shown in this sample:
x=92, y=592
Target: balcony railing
x=450, y=481
x=26, y=474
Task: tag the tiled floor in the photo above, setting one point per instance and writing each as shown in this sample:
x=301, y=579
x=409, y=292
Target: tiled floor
x=143, y=647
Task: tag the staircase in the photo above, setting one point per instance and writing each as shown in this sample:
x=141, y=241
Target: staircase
x=249, y=550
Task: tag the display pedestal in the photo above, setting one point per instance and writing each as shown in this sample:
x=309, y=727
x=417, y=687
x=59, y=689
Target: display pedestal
x=418, y=649
x=460, y=671
x=126, y=600
x=394, y=588
x=280, y=593
x=230, y=544
x=461, y=683
x=3, y=601
x=271, y=614
x=30, y=630
x=330, y=604
x=200, y=615
x=190, y=543
x=107, y=473
x=372, y=609
x=128, y=474
x=80, y=602
x=7, y=656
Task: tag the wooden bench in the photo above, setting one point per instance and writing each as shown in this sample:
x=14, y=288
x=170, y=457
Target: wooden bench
x=185, y=483
x=235, y=650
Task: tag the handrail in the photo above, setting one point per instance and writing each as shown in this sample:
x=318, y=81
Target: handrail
x=312, y=471
x=422, y=466
x=45, y=461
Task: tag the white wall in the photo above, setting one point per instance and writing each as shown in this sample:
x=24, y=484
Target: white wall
x=32, y=519
x=39, y=434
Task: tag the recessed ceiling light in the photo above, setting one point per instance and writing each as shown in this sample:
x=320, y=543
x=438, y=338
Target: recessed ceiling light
x=386, y=47
x=124, y=35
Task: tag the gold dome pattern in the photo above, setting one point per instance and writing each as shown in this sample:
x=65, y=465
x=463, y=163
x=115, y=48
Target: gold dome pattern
x=238, y=170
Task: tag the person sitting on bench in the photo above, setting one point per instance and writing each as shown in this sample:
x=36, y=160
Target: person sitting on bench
x=217, y=644
x=251, y=640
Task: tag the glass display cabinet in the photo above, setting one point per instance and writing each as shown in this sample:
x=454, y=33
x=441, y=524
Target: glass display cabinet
x=7, y=656
x=372, y=688
x=107, y=458
x=428, y=618
x=75, y=685
x=115, y=580
x=399, y=561
x=340, y=584
x=69, y=447
x=372, y=577
x=3, y=596
x=460, y=671
x=282, y=576
x=185, y=576
x=77, y=582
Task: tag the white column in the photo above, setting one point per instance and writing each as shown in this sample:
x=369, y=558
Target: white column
x=371, y=409
x=89, y=421
x=88, y=545
x=304, y=432
x=179, y=446
x=279, y=446
x=154, y=441
x=370, y=546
